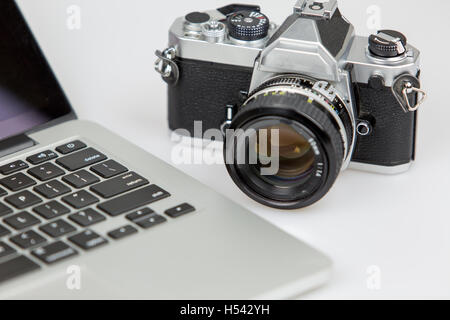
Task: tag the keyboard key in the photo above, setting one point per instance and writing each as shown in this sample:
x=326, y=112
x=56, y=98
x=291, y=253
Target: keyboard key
x=151, y=221
x=80, y=179
x=6, y=250
x=180, y=210
x=14, y=167
x=4, y=210
x=28, y=240
x=71, y=147
x=87, y=218
x=81, y=159
x=109, y=169
x=46, y=172
x=58, y=228
x=3, y=192
x=122, y=232
x=52, y=189
x=23, y=199
x=88, y=240
x=4, y=231
x=17, y=182
x=133, y=217
x=80, y=200
x=54, y=252
x=21, y=221
x=51, y=210
x=42, y=157
x=119, y=185
x=134, y=200
x=16, y=267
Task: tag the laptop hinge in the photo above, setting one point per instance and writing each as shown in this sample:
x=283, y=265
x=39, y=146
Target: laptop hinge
x=15, y=144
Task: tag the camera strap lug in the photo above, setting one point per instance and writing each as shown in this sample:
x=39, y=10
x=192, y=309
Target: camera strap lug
x=406, y=88
x=166, y=66
x=230, y=112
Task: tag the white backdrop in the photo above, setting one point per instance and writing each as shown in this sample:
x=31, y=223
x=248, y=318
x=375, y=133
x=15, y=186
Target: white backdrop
x=388, y=236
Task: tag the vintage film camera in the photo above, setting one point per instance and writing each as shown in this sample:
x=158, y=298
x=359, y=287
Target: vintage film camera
x=337, y=99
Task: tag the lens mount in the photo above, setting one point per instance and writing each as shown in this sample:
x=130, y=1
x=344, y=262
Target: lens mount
x=316, y=135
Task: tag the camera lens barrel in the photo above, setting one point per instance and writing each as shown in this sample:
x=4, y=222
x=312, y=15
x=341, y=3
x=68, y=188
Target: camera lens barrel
x=315, y=138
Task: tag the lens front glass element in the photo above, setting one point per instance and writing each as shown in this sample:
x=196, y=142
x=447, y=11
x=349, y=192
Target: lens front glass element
x=283, y=159
x=295, y=154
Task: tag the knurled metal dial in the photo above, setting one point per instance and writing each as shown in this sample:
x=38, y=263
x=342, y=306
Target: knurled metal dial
x=387, y=44
x=248, y=25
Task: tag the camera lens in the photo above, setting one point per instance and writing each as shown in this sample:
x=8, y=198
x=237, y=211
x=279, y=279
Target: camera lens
x=289, y=141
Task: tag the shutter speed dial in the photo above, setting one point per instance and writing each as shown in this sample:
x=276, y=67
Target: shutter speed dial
x=248, y=25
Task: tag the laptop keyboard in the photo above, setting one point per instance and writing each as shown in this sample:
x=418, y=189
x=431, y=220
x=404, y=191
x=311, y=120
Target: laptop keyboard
x=58, y=195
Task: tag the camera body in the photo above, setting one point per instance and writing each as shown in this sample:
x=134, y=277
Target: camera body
x=215, y=72
x=327, y=98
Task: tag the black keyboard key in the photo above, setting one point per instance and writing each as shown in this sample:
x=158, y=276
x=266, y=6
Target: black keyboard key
x=4, y=231
x=52, y=189
x=22, y=221
x=14, y=167
x=71, y=147
x=134, y=200
x=133, y=217
x=6, y=250
x=87, y=218
x=109, y=169
x=122, y=232
x=51, y=210
x=17, y=182
x=3, y=192
x=151, y=221
x=28, y=239
x=23, y=199
x=80, y=179
x=88, y=240
x=58, y=228
x=54, y=252
x=180, y=210
x=81, y=159
x=119, y=185
x=4, y=210
x=80, y=200
x=16, y=267
x=42, y=157
x=46, y=172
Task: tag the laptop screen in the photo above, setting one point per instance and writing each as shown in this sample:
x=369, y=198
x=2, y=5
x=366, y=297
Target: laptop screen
x=30, y=95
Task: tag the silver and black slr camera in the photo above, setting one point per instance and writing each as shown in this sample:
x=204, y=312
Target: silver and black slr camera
x=336, y=99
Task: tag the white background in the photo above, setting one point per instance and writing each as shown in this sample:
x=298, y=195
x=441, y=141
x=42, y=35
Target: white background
x=400, y=224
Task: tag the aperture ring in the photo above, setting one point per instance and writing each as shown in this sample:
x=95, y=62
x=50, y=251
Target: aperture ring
x=315, y=98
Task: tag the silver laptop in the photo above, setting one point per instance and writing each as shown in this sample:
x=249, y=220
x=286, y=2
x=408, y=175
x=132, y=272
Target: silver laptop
x=85, y=214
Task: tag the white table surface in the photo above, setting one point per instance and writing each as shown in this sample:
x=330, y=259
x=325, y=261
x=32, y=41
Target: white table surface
x=399, y=224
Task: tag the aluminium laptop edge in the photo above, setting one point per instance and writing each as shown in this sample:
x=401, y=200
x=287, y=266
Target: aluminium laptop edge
x=217, y=251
